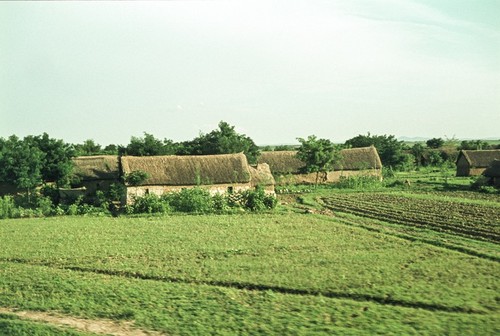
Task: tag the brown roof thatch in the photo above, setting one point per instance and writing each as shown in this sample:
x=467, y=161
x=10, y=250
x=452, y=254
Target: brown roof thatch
x=189, y=169
x=261, y=175
x=101, y=167
x=480, y=158
x=493, y=170
x=359, y=159
x=285, y=162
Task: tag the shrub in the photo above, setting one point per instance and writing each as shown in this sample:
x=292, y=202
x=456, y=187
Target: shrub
x=221, y=203
x=44, y=206
x=136, y=177
x=258, y=200
x=196, y=200
x=8, y=208
x=359, y=182
x=149, y=203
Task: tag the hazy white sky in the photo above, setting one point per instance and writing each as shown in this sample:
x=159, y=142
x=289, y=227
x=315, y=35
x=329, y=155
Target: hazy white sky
x=277, y=70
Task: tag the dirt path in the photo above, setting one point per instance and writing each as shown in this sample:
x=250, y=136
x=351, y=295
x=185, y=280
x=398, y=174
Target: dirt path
x=107, y=327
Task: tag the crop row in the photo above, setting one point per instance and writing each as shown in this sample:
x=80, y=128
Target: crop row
x=469, y=220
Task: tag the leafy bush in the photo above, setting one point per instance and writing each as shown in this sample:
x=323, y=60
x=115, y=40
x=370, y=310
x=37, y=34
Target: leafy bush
x=149, y=203
x=44, y=206
x=258, y=200
x=200, y=201
x=195, y=200
x=136, y=177
x=221, y=203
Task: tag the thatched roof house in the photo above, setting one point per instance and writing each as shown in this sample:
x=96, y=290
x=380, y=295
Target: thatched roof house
x=474, y=162
x=355, y=161
x=92, y=173
x=493, y=173
x=261, y=176
x=96, y=168
x=173, y=170
x=282, y=162
x=359, y=159
x=217, y=173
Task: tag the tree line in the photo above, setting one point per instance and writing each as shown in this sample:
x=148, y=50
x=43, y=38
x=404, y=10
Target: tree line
x=34, y=160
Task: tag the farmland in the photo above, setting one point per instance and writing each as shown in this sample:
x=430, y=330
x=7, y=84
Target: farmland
x=471, y=220
x=280, y=273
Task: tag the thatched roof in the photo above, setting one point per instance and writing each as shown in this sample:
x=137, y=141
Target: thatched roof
x=261, y=175
x=189, y=169
x=480, y=158
x=101, y=167
x=285, y=162
x=359, y=159
x=493, y=170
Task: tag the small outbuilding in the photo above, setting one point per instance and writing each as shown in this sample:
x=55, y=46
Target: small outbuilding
x=224, y=173
x=493, y=173
x=475, y=162
x=287, y=168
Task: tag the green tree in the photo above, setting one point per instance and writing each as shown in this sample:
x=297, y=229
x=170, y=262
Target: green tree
x=148, y=145
x=224, y=140
x=319, y=155
x=87, y=148
x=435, y=143
x=474, y=145
x=417, y=150
x=110, y=149
x=56, y=164
x=21, y=163
x=388, y=147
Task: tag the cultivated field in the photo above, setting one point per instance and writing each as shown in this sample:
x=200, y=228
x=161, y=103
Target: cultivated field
x=410, y=264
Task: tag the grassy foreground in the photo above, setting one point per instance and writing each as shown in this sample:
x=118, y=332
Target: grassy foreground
x=250, y=274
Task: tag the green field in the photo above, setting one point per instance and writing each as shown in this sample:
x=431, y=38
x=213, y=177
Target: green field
x=283, y=273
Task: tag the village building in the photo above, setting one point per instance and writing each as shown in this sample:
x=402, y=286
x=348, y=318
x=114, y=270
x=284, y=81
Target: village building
x=91, y=174
x=287, y=168
x=224, y=173
x=493, y=173
x=475, y=162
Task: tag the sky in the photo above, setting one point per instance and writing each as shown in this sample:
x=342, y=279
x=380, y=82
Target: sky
x=276, y=70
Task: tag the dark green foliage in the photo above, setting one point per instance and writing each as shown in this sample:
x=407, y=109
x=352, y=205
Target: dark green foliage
x=435, y=143
x=148, y=146
x=474, y=145
x=319, y=155
x=224, y=140
x=191, y=200
x=21, y=162
x=285, y=148
x=56, y=162
x=434, y=158
x=417, y=150
x=136, y=178
x=199, y=201
x=87, y=148
x=258, y=200
x=35, y=159
x=388, y=147
x=150, y=204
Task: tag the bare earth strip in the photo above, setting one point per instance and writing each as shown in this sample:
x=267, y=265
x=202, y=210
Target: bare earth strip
x=106, y=327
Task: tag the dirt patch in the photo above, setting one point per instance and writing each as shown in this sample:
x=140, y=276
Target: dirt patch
x=107, y=327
